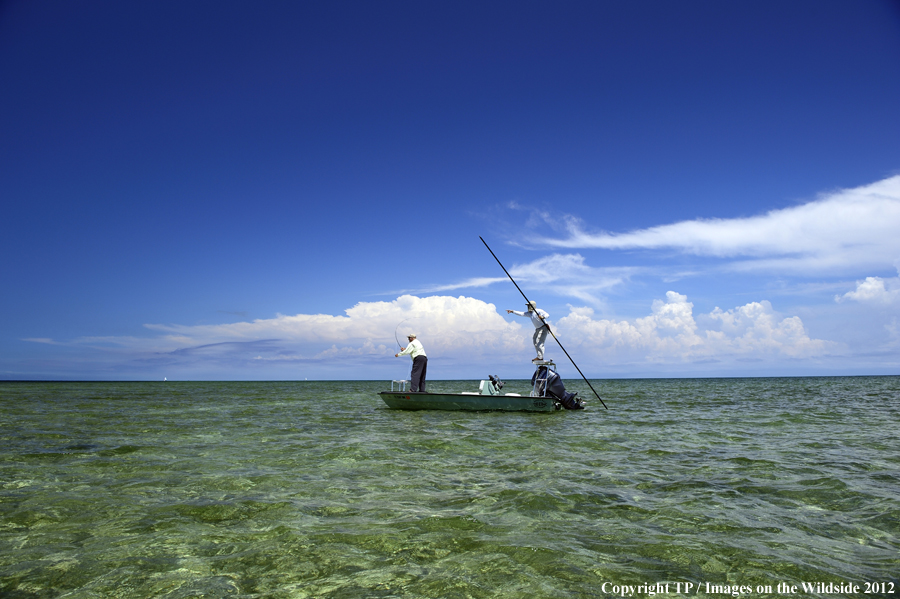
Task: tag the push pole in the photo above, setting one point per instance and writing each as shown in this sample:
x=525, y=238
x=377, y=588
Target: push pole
x=542, y=320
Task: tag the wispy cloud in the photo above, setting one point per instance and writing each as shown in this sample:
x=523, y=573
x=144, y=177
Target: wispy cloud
x=847, y=230
x=473, y=283
x=567, y=275
x=45, y=340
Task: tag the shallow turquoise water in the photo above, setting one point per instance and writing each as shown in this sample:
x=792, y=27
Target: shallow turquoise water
x=315, y=489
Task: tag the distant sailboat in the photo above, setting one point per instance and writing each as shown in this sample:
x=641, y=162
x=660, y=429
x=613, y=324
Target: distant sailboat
x=165, y=379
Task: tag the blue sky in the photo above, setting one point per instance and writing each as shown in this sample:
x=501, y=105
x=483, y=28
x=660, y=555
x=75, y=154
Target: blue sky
x=236, y=190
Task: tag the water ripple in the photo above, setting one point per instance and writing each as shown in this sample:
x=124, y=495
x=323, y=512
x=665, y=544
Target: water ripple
x=317, y=490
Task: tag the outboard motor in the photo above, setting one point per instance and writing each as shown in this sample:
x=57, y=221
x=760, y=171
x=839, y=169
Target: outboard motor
x=491, y=387
x=550, y=384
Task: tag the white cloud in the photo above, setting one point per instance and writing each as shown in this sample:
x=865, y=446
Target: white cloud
x=874, y=290
x=845, y=230
x=565, y=274
x=445, y=324
x=671, y=334
x=553, y=268
x=472, y=283
x=568, y=275
x=459, y=331
x=45, y=340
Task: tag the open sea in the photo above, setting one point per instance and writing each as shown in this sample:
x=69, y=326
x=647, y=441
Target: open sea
x=766, y=487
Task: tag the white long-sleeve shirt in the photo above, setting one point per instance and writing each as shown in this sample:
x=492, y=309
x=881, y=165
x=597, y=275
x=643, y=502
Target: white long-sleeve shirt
x=413, y=350
x=535, y=320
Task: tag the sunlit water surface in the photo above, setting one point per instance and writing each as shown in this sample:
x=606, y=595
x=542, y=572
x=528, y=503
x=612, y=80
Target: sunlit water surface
x=316, y=489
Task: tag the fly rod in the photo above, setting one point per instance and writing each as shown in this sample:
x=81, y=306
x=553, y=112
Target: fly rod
x=397, y=329
x=542, y=320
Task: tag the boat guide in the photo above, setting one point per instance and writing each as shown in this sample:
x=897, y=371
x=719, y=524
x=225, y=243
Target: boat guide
x=548, y=394
x=574, y=402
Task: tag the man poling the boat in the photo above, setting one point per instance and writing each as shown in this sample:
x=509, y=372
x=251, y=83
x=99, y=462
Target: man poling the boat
x=419, y=363
x=541, y=327
x=530, y=304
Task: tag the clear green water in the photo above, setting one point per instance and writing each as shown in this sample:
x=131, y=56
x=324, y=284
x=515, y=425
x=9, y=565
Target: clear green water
x=315, y=489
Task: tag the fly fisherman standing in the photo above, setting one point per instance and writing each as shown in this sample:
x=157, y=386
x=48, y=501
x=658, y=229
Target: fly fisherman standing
x=419, y=365
x=541, y=327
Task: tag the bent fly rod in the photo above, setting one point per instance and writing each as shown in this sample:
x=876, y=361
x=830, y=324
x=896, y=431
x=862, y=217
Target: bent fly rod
x=397, y=329
x=542, y=320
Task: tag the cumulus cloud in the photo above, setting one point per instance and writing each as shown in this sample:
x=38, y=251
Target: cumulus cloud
x=874, y=290
x=671, y=333
x=455, y=330
x=845, y=230
x=447, y=324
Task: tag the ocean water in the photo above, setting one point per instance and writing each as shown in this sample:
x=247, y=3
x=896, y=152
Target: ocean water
x=316, y=489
